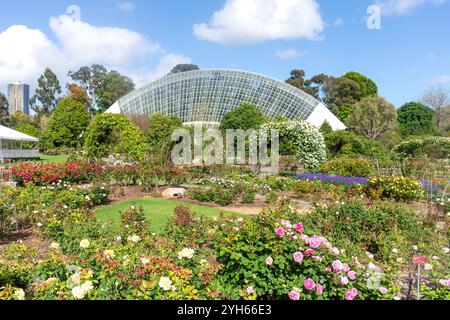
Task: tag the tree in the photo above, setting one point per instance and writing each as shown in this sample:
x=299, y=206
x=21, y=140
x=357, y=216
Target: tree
x=339, y=93
x=159, y=133
x=114, y=133
x=437, y=99
x=45, y=97
x=415, y=119
x=3, y=108
x=19, y=118
x=368, y=86
x=69, y=120
x=373, y=117
x=298, y=80
x=112, y=87
x=245, y=117
x=184, y=68
x=28, y=129
x=77, y=93
x=90, y=79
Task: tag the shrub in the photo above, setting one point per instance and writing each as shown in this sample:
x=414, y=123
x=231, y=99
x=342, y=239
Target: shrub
x=346, y=143
x=349, y=167
x=302, y=140
x=395, y=187
x=114, y=133
x=69, y=120
x=277, y=258
x=433, y=147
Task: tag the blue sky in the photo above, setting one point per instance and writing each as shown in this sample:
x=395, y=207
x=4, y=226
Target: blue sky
x=145, y=38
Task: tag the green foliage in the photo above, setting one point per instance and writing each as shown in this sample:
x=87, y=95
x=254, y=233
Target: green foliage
x=159, y=133
x=376, y=229
x=28, y=129
x=245, y=117
x=415, y=119
x=3, y=109
x=302, y=140
x=45, y=98
x=396, y=188
x=113, y=86
x=433, y=147
x=349, y=167
x=184, y=68
x=68, y=122
x=114, y=133
x=373, y=117
x=368, y=86
x=326, y=128
x=346, y=143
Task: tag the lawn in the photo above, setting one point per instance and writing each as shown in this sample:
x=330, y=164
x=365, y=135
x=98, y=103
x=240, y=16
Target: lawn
x=52, y=159
x=157, y=211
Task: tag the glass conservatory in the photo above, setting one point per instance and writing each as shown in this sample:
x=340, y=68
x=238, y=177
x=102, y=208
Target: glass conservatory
x=206, y=96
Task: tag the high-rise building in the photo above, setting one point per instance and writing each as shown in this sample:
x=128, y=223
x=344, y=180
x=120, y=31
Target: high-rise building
x=19, y=98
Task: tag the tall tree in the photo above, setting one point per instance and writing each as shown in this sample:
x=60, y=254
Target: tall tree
x=368, y=86
x=298, y=80
x=373, y=117
x=339, y=93
x=184, y=68
x=3, y=108
x=46, y=95
x=112, y=87
x=437, y=98
x=77, y=93
x=415, y=119
x=90, y=79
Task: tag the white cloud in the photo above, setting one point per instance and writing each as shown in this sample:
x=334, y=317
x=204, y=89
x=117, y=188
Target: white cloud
x=126, y=6
x=290, y=54
x=27, y=52
x=441, y=80
x=393, y=7
x=253, y=21
x=338, y=22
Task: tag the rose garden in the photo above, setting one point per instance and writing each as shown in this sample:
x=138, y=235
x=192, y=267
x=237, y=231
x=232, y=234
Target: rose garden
x=342, y=220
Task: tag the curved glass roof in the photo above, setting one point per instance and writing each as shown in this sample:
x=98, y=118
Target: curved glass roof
x=208, y=95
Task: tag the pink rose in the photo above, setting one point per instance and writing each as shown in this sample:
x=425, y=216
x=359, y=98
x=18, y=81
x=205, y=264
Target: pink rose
x=335, y=251
x=351, y=294
x=328, y=270
x=309, y=252
x=298, y=257
x=280, y=232
x=309, y=284
x=299, y=227
x=445, y=282
x=352, y=275
x=346, y=267
x=250, y=290
x=337, y=266
x=269, y=261
x=344, y=281
x=316, y=259
x=383, y=290
x=319, y=290
x=294, y=295
x=315, y=242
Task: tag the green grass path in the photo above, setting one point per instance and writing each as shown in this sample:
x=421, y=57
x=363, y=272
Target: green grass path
x=157, y=211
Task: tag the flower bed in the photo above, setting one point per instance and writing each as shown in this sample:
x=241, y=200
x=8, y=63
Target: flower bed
x=46, y=174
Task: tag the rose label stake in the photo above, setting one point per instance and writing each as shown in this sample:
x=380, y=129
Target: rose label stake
x=419, y=260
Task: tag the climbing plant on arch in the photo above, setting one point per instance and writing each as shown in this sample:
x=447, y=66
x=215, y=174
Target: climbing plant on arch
x=114, y=133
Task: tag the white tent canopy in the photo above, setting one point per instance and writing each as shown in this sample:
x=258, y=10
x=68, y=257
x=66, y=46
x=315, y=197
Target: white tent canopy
x=9, y=134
